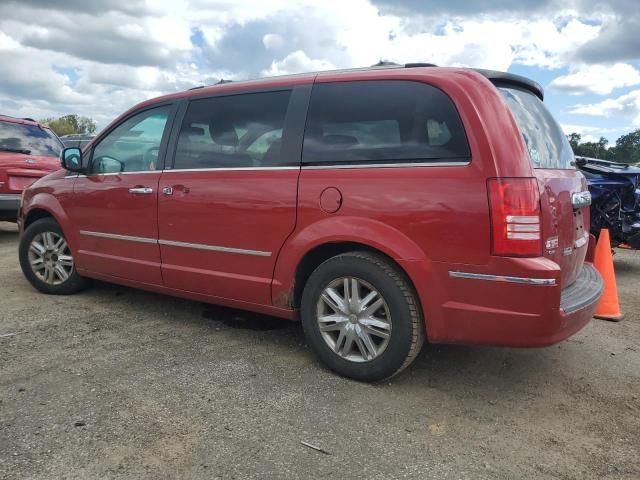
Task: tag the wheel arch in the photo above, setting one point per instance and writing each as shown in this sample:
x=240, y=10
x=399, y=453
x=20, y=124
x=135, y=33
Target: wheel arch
x=43, y=205
x=311, y=246
x=36, y=214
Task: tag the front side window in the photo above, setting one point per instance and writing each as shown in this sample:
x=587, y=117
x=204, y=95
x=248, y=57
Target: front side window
x=235, y=131
x=133, y=146
x=28, y=139
x=382, y=121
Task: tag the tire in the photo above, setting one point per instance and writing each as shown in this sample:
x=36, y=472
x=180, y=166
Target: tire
x=399, y=316
x=46, y=276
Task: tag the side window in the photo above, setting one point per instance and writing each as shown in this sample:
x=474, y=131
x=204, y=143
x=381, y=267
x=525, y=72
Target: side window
x=133, y=146
x=382, y=121
x=233, y=131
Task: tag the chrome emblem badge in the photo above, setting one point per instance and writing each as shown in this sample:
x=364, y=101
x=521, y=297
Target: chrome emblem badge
x=30, y=161
x=567, y=251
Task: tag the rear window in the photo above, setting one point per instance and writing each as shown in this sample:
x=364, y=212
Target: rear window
x=382, y=122
x=548, y=147
x=28, y=139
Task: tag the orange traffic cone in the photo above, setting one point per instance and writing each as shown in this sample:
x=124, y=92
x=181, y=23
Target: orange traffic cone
x=608, y=308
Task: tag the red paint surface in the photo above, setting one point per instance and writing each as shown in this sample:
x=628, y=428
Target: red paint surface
x=430, y=220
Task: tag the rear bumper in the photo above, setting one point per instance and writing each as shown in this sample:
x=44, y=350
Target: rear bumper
x=524, y=309
x=9, y=205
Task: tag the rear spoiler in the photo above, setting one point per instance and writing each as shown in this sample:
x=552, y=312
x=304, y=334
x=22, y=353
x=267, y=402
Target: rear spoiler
x=504, y=79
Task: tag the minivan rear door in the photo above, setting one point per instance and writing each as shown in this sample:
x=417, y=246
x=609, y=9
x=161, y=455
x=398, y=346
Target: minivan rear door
x=563, y=189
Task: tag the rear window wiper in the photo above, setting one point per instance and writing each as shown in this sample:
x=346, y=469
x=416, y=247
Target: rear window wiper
x=16, y=150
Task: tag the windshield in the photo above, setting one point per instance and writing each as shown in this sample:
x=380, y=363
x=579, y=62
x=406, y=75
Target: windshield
x=28, y=139
x=547, y=144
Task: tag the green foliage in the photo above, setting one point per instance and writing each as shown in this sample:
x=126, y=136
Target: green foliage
x=626, y=149
x=69, y=124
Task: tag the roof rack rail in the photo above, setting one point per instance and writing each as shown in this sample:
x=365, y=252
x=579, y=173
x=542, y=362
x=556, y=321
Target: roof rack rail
x=196, y=88
x=386, y=63
x=28, y=118
x=419, y=64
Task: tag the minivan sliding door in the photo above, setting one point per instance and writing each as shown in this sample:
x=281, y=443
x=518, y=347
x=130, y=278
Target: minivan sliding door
x=228, y=204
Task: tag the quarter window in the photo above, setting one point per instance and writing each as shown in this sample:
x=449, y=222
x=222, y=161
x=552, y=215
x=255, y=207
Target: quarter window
x=235, y=131
x=133, y=146
x=382, y=121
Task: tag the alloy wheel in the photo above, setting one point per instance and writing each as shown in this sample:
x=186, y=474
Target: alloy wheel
x=354, y=319
x=50, y=258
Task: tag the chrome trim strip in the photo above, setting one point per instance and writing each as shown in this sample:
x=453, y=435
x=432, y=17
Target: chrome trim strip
x=214, y=248
x=115, y=173
x=387, y=165
x=114, y=236
x=305, y=167
x=9, y=197
x=503, y=278
x=227, y=169
x=172, y=243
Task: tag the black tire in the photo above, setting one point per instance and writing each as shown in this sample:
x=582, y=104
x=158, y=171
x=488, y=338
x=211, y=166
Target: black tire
x=74, y=283
x=407, y=333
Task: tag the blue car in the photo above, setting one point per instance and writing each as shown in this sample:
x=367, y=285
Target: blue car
x=615, y=199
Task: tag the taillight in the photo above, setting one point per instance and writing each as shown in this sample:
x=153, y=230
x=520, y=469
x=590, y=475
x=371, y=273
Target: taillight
x=515, y=216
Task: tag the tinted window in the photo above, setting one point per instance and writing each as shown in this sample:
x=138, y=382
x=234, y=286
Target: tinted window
x=382, y=121
x=234, y=131
x=28, y=139
x=133, y=145
x=547, y=144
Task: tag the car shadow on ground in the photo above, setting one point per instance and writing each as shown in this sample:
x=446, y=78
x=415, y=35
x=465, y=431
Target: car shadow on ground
x=452, y=367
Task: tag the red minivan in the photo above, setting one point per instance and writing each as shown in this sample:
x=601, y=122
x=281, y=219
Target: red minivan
x=380, y=206
x=28, y=151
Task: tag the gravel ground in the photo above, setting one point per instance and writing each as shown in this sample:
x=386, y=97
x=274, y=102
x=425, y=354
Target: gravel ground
x=119, y=383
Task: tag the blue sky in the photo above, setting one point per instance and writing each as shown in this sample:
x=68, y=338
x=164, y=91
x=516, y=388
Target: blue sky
x=99, y=58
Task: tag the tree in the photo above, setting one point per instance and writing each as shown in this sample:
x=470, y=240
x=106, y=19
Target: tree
x=626, y=150
x=574, y=141
x=628, y=147
x=595, y=149
x=70, y=124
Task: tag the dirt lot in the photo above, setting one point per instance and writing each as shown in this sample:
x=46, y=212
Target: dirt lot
x=118, y=383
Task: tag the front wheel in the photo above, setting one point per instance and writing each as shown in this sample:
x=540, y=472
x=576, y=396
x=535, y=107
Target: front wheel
x=361, y=316
x=46, y=259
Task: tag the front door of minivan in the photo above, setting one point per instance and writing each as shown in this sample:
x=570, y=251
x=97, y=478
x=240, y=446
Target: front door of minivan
x=228, y=204
x=115, y=203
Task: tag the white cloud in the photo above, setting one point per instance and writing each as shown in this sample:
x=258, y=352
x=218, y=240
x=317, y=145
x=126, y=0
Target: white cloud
x=124, y=51
x=626, y=106
x=297, y=62
x=588, y=133
x=273, y=41
x=600, y=79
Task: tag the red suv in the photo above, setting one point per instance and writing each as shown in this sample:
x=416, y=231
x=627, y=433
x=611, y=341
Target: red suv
x=28, y=151
x=380, y=206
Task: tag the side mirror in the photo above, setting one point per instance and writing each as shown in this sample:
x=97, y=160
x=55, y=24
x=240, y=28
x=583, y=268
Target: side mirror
x=71, y=159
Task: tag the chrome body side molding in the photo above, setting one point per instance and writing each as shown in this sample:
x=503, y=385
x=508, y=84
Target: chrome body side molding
x=172, y=243
x=503, y=278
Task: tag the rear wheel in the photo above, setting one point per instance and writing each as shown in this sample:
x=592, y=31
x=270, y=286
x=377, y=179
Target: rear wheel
x=361, y=316
x=46, y=259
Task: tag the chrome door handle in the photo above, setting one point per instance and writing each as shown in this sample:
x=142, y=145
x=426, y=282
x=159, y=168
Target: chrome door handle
x=167, y=191
x=141, y=190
